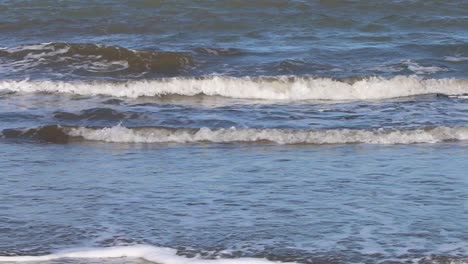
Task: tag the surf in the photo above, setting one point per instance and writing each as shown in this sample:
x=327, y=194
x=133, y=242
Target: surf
x=281, y=88
x=120, y=134
x=146, y=252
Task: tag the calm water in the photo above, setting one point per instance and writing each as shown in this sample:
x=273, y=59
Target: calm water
x=233, y=132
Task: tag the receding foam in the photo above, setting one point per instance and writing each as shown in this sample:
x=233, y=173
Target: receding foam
x=120, y=134
x=280, y=136
x=150, y=253
x=283, y=88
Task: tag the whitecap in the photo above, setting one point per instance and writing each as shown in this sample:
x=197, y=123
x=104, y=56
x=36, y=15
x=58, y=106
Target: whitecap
x=279, y=136
x=419, y=69
x=456, y=58
x=281, y=88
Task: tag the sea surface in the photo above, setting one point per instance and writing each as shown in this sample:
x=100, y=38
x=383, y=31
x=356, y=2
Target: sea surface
x=233, y=132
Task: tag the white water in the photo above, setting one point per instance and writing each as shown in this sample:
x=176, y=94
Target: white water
x=456, y=58
x=419, y=69
x=280, y=136
x=146, y=252
x=268, y=88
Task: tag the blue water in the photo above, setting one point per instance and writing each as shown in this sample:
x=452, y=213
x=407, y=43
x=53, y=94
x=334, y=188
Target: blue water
x=355, y=203
x=233, y=132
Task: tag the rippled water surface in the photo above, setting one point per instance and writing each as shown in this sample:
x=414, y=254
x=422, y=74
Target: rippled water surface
x=326, y=38
x=233, y=132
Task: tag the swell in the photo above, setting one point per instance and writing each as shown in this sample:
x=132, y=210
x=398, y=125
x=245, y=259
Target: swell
x=285, y=88
x=119, y=134
x=99, y=56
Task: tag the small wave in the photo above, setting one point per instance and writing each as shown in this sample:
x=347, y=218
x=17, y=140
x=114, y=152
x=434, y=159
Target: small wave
x=220, y=51
x=52, y=133
x=421, y=70
x=149, y=253
x=97, y=58
x=119, y=134
x=456, y=58
x=280, y=136
x=107, y=114
x=267, y=88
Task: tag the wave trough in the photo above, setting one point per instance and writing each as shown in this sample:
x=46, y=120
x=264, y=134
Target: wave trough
x=281, y=88
x=119, y=134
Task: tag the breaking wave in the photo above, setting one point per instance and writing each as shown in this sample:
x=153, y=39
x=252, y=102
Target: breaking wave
x=96, y=58
x=146, y=252
x=268, y=88
x=119, y=134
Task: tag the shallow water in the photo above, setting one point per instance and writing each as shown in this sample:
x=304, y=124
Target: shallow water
x=352, y=203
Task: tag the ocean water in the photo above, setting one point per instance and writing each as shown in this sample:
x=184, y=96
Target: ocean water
x=234, y=132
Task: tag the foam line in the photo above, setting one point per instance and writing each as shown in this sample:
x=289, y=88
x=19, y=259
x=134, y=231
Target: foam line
x=146, y=252
x=282, y=88
x=119, y=134
x=280, y=136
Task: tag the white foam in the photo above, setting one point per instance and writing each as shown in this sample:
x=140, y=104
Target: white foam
x=280, y=136
x=106, y=66
x=419, y=69
x=268, y=88
x=146, y=252
x=40, y=46
x=32, y=56
x=456, y=58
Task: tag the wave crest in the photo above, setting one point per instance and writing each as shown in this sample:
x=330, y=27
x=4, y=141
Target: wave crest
x=98, y=58
x=52, y=133
x=119, y=134
x=94, y=114
x=284, y=88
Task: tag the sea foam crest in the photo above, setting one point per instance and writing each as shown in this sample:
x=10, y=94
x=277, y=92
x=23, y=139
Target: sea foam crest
x=146, y=252
x=268, y=88
x=280, y=136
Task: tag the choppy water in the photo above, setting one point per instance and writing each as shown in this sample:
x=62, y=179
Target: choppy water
x=233, y=131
